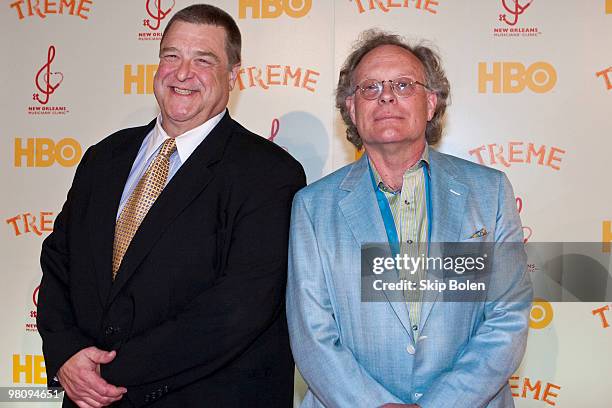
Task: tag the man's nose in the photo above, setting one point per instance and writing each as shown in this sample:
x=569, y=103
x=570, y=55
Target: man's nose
x=387, y=95
x=184, y=70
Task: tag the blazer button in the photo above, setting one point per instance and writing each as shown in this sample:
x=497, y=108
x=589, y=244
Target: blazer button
x=109, y=330
x=410, y=349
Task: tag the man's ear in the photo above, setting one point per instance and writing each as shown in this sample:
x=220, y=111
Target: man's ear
x=432, y=101
x=349, y=102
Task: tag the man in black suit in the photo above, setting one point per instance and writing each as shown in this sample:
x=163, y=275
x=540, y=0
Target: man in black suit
x=187, y=309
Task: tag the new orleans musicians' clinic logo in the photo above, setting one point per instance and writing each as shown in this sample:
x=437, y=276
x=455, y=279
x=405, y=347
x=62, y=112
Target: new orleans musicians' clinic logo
x=35, y=296
x=46, y=81
x=515, y=9
x=509, y=17
x=30, y=324
x=157, y=10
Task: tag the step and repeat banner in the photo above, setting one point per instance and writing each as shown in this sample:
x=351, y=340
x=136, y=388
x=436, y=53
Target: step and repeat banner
x=531, y=86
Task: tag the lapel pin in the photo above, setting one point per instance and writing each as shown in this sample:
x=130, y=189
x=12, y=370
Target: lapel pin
x=480, y=233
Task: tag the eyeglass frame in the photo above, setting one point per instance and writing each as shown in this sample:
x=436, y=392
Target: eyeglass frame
x=392, y=83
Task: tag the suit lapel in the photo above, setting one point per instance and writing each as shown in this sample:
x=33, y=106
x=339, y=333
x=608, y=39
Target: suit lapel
x=107, y=191
x=360, y=209
x=193, y=176
x=448, y=196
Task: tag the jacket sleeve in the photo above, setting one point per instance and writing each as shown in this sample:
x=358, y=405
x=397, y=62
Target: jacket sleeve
x=330, y=369
x=55, y=316
x=221, y=322
x=496, y=349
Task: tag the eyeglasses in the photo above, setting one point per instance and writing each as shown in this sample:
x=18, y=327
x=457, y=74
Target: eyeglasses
x=402, y=87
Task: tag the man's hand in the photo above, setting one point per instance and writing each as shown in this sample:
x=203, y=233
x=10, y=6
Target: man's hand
x=80, y=377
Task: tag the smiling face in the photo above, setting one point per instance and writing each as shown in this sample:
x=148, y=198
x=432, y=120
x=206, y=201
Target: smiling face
x=389, y=119
x=193, y=80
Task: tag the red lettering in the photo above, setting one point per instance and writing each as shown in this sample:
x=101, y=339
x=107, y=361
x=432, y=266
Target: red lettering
x=478, y=155
x=601, y=312
x=548, y=393
x=17, y=5
x=13, y=222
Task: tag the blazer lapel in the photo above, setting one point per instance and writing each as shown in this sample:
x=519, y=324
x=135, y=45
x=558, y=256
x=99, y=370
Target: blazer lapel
x=193, y=176
x=107, y=191
x=360, y=209
x=448, y=199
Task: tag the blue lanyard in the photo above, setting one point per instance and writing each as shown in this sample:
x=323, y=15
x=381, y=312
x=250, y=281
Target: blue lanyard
x=387, y=216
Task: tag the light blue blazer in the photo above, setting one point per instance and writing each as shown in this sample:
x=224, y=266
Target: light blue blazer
x=359, y=354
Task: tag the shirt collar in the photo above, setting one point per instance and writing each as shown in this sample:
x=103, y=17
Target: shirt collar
x=187, y=142
x=423, y=161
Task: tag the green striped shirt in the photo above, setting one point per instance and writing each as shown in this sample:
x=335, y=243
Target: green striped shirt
x=409, y=208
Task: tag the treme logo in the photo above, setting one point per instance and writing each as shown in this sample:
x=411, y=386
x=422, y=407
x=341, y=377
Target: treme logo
x=27, y=223
x=43, y=8
x=519, y=152
x=529, y=389
x=386, y=5
x=274, y=8
x=277, y=75
x=513, y=77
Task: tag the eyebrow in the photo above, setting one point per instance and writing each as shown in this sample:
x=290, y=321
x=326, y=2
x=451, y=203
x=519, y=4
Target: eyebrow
x=197, y=53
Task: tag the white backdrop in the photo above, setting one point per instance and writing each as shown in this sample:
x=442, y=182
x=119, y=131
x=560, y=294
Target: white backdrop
x=531, y=95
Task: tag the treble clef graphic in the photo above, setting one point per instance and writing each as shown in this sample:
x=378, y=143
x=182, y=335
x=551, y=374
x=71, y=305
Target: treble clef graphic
x=518, y=10
x=49, y=89
x=161, y=14
x=274, y=130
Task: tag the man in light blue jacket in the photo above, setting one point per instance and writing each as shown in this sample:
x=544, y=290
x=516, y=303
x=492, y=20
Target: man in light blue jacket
x=418, y=351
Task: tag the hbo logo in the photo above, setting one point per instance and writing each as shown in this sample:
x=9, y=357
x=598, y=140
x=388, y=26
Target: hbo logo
x=44, y=152
x=513, y=77
x=274, y=8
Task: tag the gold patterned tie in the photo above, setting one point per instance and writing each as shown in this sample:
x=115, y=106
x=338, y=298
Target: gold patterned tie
x=142, y=198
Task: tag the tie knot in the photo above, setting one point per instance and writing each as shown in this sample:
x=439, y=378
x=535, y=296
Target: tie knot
x=168, y=148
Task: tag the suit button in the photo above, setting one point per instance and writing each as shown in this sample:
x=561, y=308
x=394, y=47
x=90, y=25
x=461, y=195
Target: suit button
x=410, y=349
x=109, y=330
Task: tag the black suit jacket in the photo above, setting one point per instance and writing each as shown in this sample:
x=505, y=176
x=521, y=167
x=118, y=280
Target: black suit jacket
x=196, y=312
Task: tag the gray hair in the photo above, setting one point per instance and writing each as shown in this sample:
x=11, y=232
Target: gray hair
x=435, y=79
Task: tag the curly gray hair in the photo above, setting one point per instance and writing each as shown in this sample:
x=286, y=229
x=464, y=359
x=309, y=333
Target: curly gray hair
x=435, y=79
